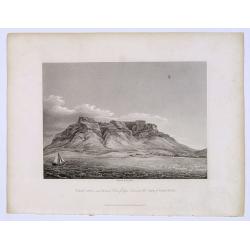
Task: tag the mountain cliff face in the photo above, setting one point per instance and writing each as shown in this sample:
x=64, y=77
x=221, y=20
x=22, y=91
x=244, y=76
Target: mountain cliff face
x=88, y=135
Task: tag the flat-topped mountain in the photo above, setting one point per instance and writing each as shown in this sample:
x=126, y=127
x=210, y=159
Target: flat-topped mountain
x=89, y=135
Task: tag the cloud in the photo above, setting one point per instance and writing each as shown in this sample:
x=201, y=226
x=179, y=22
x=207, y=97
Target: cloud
x=93, y=111
x=55, y=105
x=57, y=116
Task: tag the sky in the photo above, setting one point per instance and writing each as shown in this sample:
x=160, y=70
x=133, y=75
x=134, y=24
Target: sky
x=170, y=94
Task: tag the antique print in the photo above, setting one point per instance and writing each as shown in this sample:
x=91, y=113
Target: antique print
x=126, y=124
x=125, y=120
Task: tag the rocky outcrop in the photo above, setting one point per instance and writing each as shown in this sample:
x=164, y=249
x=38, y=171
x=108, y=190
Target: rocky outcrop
x=116, y=135
x=89, y=135
x=141, y=128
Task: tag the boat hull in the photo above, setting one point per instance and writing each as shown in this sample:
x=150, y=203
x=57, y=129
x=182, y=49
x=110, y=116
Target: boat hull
x=56, y=164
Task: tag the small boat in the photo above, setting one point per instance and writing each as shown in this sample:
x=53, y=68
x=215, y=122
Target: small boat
x=58, y=160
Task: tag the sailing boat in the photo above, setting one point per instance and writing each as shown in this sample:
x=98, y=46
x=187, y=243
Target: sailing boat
x=58, y=160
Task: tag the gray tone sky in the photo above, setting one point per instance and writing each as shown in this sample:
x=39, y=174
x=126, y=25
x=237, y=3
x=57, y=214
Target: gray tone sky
x=172, y=90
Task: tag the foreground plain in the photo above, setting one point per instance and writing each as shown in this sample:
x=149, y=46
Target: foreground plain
x=125, y=166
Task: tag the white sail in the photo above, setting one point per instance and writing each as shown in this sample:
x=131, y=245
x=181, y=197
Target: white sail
x=58, y=160
x=61, y=160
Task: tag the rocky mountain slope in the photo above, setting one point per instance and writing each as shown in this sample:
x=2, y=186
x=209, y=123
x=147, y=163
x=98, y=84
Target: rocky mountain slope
x=88, y=135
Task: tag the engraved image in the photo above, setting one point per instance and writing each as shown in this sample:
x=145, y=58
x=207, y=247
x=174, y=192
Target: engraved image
x=124, y=120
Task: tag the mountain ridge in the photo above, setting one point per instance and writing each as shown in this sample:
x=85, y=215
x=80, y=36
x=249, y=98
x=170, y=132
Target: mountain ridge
x=89, y=135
